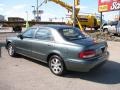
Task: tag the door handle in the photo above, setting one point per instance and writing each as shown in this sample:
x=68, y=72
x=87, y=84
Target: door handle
x=49, y=45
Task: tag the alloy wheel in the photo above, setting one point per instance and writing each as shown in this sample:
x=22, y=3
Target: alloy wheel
x=56, y=65
x=11, y=50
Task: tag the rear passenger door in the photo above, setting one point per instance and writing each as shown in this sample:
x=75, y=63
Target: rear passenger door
x=43, y=44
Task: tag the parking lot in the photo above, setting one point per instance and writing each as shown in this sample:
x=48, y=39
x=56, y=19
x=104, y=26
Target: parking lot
x=21, y=73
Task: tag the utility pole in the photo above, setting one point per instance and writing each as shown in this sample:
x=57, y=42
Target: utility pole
x=101, y=20
x=74, y=14
x=37, y=11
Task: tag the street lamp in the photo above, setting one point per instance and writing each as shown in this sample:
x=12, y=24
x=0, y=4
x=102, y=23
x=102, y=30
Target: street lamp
x=27, y=24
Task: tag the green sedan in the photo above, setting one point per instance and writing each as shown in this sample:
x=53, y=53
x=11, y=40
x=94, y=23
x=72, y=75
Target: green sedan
x=62, y=47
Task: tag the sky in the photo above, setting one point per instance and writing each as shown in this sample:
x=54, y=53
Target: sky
x=20, y=8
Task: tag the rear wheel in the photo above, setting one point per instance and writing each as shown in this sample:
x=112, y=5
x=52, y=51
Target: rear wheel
x=11, y=50
x=56, y=65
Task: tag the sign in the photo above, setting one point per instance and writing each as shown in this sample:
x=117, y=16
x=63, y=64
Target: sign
x=39, y=12
x=108, y=5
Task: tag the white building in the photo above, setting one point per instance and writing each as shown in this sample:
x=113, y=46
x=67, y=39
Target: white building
x=2, y=18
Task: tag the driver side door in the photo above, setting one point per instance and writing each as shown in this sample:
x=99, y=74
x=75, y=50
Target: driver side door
x=24, y=44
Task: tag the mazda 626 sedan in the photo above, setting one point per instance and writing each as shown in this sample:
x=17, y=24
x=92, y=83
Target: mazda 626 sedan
x=62, y=47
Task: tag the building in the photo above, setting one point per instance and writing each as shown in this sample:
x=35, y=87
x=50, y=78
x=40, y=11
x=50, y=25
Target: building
x=2, y=18
x=15, y=19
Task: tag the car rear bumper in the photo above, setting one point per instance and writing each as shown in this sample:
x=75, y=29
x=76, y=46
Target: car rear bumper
x=85, y=65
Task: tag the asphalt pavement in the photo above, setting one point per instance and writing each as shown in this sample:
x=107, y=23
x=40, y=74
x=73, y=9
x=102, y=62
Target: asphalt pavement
x=21, y=73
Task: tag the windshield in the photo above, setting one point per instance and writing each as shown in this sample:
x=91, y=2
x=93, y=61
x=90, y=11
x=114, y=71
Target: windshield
x=72, y=33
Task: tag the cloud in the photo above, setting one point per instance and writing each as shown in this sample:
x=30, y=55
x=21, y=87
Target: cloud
x=17, y=11
x=1, y=5
x=46, y=16
x=21, y=6
x=83, y=7
x=1, y=9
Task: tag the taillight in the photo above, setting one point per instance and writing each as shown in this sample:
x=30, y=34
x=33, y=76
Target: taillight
x=87, y=54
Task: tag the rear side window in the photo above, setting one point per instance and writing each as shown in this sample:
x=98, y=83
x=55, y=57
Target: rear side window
x=43, y=34
x=71, y=33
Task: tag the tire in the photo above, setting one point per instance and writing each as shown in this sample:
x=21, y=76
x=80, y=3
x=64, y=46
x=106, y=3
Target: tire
x=106, y=31
x=96, y=28
x=11, y=50
x=56, y=65
x=115, y=34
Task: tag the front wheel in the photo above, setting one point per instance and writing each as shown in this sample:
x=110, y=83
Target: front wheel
x=56, y=65
x=11, y=50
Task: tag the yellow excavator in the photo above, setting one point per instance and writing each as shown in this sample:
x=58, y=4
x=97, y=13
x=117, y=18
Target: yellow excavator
x=83, y=21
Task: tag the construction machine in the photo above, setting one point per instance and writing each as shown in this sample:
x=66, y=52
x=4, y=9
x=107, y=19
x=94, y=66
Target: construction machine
x=83, y=21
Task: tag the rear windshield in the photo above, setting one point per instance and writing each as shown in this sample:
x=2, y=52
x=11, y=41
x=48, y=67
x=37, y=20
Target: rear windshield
x=71, y=33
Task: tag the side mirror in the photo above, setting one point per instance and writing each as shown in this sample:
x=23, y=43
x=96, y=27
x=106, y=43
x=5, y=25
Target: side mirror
x=20, y=36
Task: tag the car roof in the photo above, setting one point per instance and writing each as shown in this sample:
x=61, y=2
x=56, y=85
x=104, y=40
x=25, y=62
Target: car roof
x=54, y=26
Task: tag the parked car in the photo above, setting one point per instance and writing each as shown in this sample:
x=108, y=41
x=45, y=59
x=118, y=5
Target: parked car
x=112, y=28
x=61, y=47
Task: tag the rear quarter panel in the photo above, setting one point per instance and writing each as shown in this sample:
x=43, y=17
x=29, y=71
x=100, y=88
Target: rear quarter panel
x=68, y=51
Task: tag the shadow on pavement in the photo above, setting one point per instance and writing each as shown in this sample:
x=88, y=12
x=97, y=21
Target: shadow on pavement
x=109, y=73
x=32, y=60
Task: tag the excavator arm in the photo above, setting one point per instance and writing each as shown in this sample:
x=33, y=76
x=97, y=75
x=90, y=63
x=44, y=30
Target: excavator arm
x=69, y=8
x=65, y=5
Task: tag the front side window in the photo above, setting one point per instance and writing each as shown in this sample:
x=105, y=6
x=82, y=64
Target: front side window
x=29, y=33
x=72, y=33
x=43, y=34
